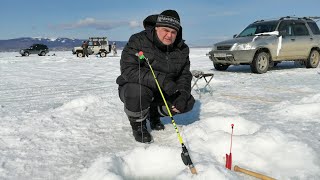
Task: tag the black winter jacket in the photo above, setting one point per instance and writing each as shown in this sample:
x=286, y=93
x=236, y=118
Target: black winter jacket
x=170, y=63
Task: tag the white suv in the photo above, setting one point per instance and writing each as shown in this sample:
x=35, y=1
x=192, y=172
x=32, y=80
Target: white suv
x=96, y=46
x=264, y=44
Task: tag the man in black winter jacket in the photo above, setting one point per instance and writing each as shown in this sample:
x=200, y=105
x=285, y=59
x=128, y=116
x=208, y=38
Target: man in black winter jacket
x=162, y=43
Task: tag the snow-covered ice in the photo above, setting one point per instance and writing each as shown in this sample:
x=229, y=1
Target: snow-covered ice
x=61, y=119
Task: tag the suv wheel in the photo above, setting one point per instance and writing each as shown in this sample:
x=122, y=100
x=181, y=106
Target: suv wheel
x=42, y=53
x=260, y=63
x=313, y=60
x=220, y=67
x=26, y=53
x=79, y=54
x=103, y=54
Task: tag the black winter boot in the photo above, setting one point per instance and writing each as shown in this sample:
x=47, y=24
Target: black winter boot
x=154, y=118
x=140, y=132
x=156, y=124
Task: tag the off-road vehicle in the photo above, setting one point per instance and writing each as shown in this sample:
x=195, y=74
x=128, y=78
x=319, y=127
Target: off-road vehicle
x=39, y=49
x=265, y=43
x=96, y=46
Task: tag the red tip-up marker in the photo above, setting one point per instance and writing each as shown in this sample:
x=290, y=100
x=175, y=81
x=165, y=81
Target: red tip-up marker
x=229, y=157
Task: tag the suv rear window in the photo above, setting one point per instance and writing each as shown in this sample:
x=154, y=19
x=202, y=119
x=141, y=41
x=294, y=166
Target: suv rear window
x=314, y=27
x=293, y=28
x=300, y=29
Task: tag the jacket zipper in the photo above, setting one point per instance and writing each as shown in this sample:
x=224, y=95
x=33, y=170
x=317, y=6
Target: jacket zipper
x=167, y=58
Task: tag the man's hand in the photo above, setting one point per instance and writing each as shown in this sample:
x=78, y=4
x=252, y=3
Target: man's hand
x=179, y=104
x=174, y=109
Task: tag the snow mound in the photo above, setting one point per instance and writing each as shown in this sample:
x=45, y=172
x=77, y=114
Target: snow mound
x=221, y=123
x=154, y=162
x=281, y=154
x=80, y=104
x=140, y=163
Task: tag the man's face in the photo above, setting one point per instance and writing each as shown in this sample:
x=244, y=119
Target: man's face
x=166, y=35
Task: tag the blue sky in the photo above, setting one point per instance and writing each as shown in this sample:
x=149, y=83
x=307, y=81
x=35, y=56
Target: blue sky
x=204, y=21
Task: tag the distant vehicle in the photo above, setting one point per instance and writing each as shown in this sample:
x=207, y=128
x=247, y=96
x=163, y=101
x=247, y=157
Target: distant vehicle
x=265, y=43
x=96, y=46
x=39, y=49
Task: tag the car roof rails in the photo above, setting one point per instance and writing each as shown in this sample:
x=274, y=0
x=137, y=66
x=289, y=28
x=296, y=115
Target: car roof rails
x=269, y=19
x=97, y=38
x=305, y=18
x=288, y=17
x=259, y=21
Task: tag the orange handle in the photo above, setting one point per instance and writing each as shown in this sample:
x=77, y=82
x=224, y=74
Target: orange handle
x=251, y=173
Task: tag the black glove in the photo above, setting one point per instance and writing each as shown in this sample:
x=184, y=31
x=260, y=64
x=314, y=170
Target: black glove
x=180, y=102
x=169, y=87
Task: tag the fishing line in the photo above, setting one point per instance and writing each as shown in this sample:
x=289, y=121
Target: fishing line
x=140, y=98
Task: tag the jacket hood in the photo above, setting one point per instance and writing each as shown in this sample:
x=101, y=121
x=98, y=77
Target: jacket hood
x=149, y=24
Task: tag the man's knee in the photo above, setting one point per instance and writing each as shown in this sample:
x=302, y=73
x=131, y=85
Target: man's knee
x=136, y=91
x=135, y=96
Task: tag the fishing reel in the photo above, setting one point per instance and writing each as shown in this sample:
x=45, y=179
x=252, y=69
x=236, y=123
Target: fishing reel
x=185, y=156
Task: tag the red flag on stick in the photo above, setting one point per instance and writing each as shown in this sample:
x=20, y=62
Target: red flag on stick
x=229, y=157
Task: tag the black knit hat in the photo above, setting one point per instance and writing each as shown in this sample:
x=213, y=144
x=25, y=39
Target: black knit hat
x=169, y=18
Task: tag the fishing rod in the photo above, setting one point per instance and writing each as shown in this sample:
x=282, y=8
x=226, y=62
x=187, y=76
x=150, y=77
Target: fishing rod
x=185, y=154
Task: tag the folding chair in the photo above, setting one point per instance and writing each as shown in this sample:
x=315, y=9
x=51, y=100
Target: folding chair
x=196, y=76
